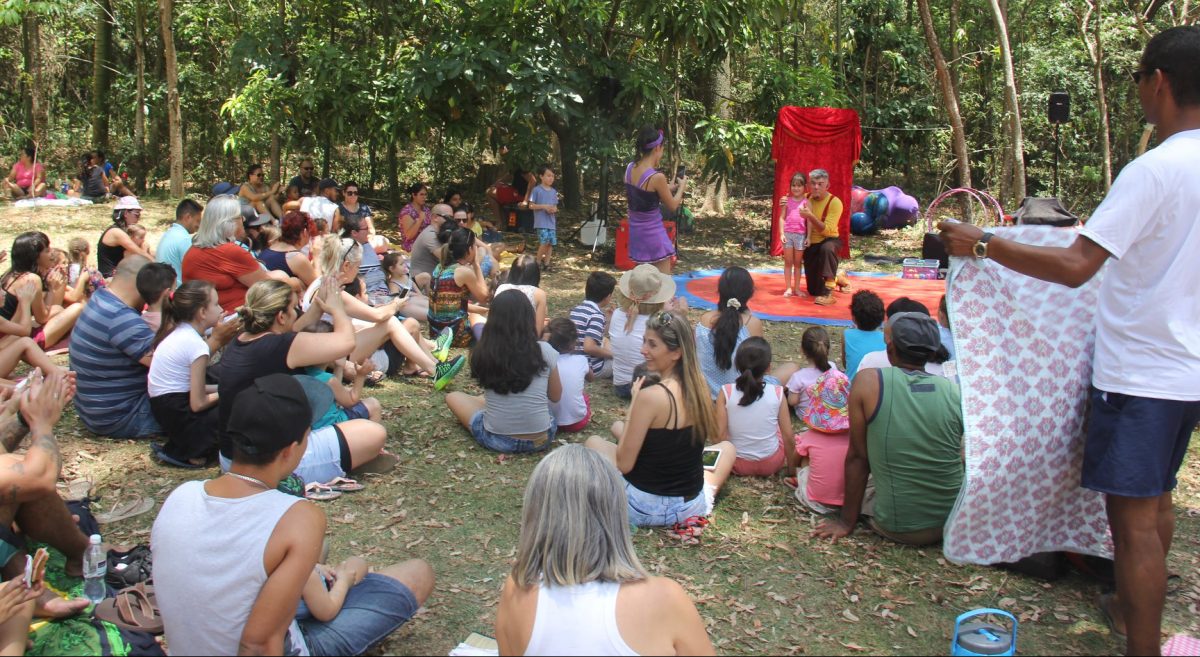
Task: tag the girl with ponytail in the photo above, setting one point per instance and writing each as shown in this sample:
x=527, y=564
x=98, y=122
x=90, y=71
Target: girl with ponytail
x=815, y=345
x=182, y=402
x=455, y=282
x=660, y=444
x=720, y=332
x=753, y=414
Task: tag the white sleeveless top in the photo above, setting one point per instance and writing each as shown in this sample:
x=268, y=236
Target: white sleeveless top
x=208, y=567
x=754, y=429
x=577, y=620
x=527, y=290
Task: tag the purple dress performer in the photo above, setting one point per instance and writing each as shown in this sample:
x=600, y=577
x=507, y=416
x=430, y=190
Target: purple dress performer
x=648, y=239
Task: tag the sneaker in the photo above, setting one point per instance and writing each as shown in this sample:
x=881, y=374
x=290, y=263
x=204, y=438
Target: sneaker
x=441, y=348
x=444, y=373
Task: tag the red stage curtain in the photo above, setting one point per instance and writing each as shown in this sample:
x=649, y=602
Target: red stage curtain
x=808, y=138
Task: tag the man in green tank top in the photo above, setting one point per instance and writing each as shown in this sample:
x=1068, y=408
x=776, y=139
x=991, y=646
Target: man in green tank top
x=906, y=433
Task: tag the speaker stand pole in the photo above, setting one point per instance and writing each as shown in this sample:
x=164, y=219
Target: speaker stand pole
x=1057, y=147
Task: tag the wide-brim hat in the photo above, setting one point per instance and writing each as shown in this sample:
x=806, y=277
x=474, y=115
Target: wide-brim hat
x=222, y=188
x=646, y=284
x=127, y=203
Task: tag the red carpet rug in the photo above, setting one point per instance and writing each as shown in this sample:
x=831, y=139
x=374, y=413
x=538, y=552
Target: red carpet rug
x=700, y=289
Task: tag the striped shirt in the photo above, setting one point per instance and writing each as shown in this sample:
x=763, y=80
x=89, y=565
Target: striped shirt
x=589, y=321
x=106, y=344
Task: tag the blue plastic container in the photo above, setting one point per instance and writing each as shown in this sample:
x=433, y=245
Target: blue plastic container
x=978, y=638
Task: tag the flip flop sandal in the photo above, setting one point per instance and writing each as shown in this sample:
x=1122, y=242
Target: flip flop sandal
x=129, y=568
x=344, y=485
x=1104, y=602
x=160, y=453
x=381, y=464
x=699, y=522
x=320, y=493
x=374, y=379
x=80, y=489
x=131, y=610
x=132, y=506
x=791, y=483
x=826, y=300
x=684, y=534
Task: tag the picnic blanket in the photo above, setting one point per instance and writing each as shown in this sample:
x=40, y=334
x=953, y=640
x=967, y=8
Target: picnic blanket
x=1024, y=357
x=50, y=202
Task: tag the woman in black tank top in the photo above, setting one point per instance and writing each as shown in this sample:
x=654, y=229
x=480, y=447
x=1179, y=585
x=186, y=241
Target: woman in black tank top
x=660, y=445
x=114, y=242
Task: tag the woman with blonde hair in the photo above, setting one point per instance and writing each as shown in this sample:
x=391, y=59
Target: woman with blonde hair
x=377, y=326
x=660, y=443
x=215, y=256
x=273, y=341
x=577, y=586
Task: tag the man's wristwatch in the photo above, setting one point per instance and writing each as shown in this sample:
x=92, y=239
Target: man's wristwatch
x=980, y=247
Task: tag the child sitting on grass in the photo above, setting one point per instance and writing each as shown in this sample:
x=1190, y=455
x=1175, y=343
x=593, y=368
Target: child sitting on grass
x=348, y=403
x=753, y=414
x=866, y=308
x=574, y=409
x=154, y=282
x=395, y=271
x=591, y=319
x=821, y=395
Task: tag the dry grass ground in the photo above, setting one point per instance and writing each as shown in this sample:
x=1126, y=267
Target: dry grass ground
x=762, y=584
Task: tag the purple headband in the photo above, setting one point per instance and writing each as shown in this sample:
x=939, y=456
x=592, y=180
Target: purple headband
x=657, y=142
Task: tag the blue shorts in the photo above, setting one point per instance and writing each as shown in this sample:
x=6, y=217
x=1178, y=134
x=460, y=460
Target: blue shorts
x=623, y=390
x=374, y=608
x=1135, y=445
x=507, y=444
x=357, y=412
x=548, y=236
x=650, y=510
x=794, y=241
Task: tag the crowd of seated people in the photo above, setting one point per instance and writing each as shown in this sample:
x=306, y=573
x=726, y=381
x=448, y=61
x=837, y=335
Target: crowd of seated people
x=245, y=340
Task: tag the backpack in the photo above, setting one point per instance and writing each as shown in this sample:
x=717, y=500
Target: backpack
x=828, y=408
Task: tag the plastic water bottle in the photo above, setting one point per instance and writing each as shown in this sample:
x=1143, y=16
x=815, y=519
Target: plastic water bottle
x=95, y=567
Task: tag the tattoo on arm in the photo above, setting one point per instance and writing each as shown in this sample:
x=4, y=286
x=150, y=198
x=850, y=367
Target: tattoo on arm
x=11, y=433
x=45, y=441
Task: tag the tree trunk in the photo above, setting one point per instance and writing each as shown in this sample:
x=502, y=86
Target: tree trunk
x=101, y=74
x=568, y=152
x=716, y=193
x=174, y=120
x=139, y=110
x=949, y=97
x=1016, y=142
x=393, y=175
x=36, y=105
x=1095, y=48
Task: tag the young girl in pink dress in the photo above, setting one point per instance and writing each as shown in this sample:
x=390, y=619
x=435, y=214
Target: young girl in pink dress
x=795, y=233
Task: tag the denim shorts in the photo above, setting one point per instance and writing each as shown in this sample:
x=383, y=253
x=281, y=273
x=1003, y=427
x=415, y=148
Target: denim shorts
x=794, y=241
x=374, y=608
x=548, y=236
x=357, y=412
x=1135, y=445
x=650, y=510
x=507, y=444
x=322, y=461
x=623, y=390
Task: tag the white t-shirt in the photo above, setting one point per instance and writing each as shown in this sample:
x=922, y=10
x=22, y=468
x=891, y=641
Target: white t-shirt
x=879, y=359
x=171, y=367
x=572, y=373
x=626, y=346
x=1147, y=337
x=318, y=207
x=754, y=429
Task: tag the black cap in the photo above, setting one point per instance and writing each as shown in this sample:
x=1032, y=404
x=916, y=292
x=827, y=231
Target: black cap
x=326, y=183
x=915, y=333
x=271, y=414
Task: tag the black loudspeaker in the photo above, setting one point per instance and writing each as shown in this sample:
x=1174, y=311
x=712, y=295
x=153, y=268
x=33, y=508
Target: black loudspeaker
x=1060, y=107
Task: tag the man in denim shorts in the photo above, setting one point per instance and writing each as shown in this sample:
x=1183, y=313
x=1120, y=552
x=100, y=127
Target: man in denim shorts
x=1146, y=375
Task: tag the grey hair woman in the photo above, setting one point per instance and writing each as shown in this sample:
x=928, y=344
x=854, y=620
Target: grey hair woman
x=574, y=556
x=216, y=258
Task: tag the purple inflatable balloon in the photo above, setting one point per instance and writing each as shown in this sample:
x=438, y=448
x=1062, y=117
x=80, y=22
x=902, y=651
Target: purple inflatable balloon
x=903, y=209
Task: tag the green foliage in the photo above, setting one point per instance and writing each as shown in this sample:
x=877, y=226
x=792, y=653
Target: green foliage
x=727, y=147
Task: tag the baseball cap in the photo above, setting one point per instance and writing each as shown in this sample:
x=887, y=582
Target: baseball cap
x=326, y=183
x=271, y=414
x=915, y=333
x=223, y=187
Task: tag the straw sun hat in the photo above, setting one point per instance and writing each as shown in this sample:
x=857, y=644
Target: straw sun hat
x=646, y=284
